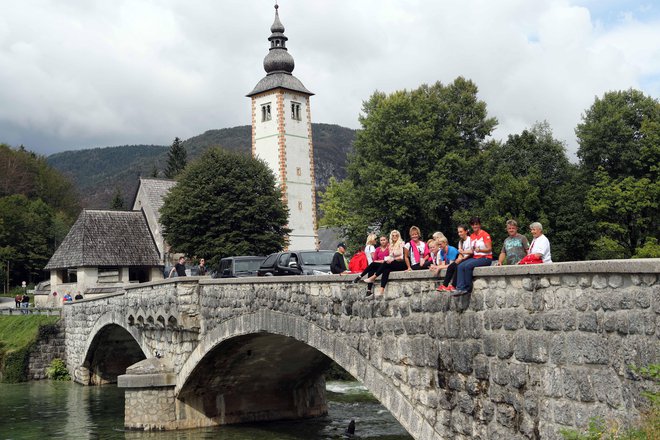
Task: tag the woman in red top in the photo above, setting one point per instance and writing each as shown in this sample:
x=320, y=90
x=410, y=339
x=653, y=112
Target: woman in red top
x=379, y=256
x=482, y=255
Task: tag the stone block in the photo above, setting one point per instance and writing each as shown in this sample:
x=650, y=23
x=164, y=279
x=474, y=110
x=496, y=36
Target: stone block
x=607, y=387
x=513, y=298
x=531, y=347
x=512, y=319
x=532, y=301
x=533, y=322
x=481, y=366
x=456, y=382
x=588, y=322
x=517, y=375
x=500, y=372
x=462, y=355
x=452, y=325
x=615, y=281
x=584, y=281
x=506, y=415
x=577, y=384
x=649, y=279
x=599, y=281
x=495, y=318
x=564, y=413
x=553, y=382
x=480, y=284
x=504, y=346
x=642, y=298
x=530, y=284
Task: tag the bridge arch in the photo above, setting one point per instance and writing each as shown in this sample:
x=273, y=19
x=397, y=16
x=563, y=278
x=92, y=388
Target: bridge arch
x=110, y=348
x=285, y=326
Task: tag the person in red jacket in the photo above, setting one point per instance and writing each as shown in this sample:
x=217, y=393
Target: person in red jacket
x=358, y=262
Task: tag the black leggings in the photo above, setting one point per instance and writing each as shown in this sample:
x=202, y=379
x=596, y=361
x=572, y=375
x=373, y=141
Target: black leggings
x=451, y=275
x=385, y=269
x=371, y=269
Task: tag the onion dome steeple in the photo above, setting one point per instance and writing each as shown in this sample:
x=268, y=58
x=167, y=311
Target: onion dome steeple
x=278, y=59
x=278, y=63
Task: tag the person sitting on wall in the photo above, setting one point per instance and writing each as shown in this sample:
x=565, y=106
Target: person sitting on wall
x=179, y=268
x=446, y=256
x=370, y=248
x=464, y=252
x=380, y=254
x=482, y=247
x=540, y=247
x=417, y=255
x=394, y=262
x=515, y=245
x=17, y=300
x=67, y=297
x=358, y=262
x=78, y=296
x=434, y=253
x=339, y=264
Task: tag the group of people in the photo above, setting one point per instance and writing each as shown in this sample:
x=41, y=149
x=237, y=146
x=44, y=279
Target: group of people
x=474, y=249
x=180, y=268
x=22, y=302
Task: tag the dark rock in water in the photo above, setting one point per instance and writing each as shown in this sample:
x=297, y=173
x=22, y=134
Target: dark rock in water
x=351, y=428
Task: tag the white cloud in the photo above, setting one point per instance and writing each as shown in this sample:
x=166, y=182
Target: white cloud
x=82, y=73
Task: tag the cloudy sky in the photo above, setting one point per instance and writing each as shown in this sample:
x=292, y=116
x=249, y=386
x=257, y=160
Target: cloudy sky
x=87, y=73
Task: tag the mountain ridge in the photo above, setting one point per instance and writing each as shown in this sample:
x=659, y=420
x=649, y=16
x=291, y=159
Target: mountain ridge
x=98, y=173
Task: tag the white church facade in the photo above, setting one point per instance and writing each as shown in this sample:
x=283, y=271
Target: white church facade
x=282, y=137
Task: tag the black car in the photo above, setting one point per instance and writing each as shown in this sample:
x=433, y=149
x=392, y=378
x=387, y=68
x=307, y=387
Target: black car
x=297, y=263
x=232, y=267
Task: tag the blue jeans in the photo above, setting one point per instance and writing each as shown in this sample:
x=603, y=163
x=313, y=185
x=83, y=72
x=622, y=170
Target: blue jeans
x=465, y=269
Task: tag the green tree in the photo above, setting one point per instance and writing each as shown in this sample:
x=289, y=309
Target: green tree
x=620, y=155
x=177, y=159
x=37, y=207
x=529, y=178
x=615, y=130
x=154, y=171
x=409, y=157
x=26, y=236
x=225, y=204
x=117, y=201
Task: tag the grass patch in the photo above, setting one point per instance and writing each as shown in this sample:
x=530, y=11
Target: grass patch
x=17, y=336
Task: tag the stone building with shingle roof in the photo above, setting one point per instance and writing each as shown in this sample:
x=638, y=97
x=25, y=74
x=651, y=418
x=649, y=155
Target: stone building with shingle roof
x=106, y=249
x=103, y=250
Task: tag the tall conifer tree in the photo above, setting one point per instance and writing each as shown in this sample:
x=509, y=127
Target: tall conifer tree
x=177, y=158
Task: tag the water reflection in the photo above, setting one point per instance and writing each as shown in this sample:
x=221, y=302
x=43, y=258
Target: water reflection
x=63, y=410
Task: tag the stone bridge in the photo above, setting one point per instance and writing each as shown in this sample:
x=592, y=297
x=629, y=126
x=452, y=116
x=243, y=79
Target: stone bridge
x=532, y=350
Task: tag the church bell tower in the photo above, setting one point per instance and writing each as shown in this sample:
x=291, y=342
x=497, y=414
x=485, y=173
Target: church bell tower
x=282, y=137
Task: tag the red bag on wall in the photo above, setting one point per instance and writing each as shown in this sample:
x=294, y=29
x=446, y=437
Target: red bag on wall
x=531, y=259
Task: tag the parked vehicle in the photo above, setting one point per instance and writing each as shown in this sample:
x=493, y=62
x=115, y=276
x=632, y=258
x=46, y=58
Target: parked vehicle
x=297, y=263
x=232, y=267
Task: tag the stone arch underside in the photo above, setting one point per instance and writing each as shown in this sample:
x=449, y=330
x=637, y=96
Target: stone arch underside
x=110, y=349
x=251, y=346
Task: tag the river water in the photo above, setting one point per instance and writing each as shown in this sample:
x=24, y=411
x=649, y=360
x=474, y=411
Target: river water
x=46, y=410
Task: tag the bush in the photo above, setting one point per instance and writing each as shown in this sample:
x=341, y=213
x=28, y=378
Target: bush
x=57, y=370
